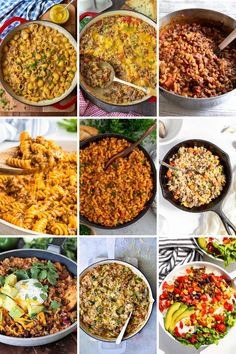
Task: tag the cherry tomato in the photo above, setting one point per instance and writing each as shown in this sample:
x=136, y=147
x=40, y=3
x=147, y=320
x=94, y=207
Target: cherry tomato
x=219, y=318
x=221, y=327
x=228, y=306
x=204, y=298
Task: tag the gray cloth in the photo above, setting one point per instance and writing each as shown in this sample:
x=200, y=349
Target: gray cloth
x=173, y=252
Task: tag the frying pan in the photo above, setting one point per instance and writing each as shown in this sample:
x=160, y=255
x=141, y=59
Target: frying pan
x=216, y=204
x=53, y=257
x=137, y=272
x=86, y=143
x=10, y=35
x=101, y=101
x=181, y=270
x=208, y=16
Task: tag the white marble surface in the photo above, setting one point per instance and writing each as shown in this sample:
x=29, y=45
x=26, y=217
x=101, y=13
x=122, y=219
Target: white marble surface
x=228, y=7
x=179, y=222
x=144, y=250
x=225, y=346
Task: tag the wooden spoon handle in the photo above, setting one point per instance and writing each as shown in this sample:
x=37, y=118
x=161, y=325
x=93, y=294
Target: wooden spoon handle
x=228, y=40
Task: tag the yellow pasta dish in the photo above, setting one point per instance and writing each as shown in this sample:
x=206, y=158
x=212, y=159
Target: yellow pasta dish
x=39, y=63
x=44, y=201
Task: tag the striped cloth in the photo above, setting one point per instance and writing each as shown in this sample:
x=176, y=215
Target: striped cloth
x=88, y=109
x=174, y=252
x=28, y=9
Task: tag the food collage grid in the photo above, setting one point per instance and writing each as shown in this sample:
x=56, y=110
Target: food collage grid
x=117, y=177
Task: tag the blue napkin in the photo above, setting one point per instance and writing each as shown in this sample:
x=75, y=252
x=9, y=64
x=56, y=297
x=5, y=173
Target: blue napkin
x=28, y=9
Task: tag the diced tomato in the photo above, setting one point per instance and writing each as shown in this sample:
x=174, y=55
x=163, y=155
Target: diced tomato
x=228, y=306
x=218, y=297
x=224, y=277
x=193, y=339
x=226, y=240
x=165, y=285
x=211, y=310
x=204, y=298
x=176, y=332
x=219, y=318
x=164, y=295
x=168, y=303
x=182, y=278
x=190, y=290
x=205, y=276
x=177, y=291
x=214, y=300
x=181, y=325
x=193, y=317
x=161, y=306
x=221, y=327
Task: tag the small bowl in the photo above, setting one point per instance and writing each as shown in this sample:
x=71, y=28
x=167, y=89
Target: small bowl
x=173, y=127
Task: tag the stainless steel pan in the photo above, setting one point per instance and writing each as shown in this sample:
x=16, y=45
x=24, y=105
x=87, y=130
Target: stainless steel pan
x=96, y=18
x=53, y=256
x=204, y=15
x=25, y=24
x=141, y=275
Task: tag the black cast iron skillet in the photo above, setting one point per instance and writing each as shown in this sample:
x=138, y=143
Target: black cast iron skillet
x=53, y=257
x=216, y=204
x=86, y=143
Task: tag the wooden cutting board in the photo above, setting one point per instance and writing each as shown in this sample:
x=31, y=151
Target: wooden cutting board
x=17, y=107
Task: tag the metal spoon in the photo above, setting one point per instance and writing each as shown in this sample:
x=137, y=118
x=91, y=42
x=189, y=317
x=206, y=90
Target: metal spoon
x=132, y=146
x=104, y=65
x=121, y=335
x=229, y=39
x=163, y=163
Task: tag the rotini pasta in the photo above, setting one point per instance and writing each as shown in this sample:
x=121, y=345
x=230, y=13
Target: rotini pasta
x=46, y=200
x=39, y=63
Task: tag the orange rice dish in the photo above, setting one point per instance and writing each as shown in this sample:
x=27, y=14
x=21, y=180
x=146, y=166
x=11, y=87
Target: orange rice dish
x=118, y=194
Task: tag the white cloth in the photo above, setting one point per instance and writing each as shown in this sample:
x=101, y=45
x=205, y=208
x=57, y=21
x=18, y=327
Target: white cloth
x=10, y=129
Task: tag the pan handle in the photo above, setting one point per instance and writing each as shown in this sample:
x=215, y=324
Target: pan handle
x=87, y=14
x=229, y=226
x=9, y=22
x=60, y=106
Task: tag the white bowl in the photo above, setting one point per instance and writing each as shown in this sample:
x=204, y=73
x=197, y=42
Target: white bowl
x=173, y=127
x=181, y=270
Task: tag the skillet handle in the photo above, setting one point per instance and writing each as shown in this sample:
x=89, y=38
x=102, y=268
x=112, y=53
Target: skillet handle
x=229, y=226
x=56, y=245
x=60, y=106
x=9, y=22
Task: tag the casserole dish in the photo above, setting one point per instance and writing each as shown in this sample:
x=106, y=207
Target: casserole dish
x=195, y=303
x=86, y=143
x=216, y=204
x=24, y=24
x=97, y=19
x=190, y=15
x=52, y=256
x=11, y=229
x=136, y=272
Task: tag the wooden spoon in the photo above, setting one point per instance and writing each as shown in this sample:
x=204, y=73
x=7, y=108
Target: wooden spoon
x=132, y=146
x=6, y=169
x=121, y=335
x=229, y=39
x=104, y=65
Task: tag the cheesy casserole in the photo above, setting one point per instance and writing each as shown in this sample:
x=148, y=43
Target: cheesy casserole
x=39, y=63
x=108, y=293
x=129, y=45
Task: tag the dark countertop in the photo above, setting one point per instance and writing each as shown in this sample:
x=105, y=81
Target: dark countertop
x=67, y=345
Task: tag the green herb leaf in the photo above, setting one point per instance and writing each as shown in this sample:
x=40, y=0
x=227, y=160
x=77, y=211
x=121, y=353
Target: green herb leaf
x=54, y=306
x=43, y=275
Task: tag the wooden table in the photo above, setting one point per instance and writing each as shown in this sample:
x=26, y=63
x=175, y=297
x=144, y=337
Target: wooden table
x=148, y=109
x=31, y=111
x=67, y=345
x=228, y=7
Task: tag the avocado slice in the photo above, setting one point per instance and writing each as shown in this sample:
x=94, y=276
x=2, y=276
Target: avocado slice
x=168, y=319
x=9, y=290
x=16, y=312
x=7, y=302
x=34, y=309
x=187, y=313
x=11, y=279
x=202, y=243
x=177, y=313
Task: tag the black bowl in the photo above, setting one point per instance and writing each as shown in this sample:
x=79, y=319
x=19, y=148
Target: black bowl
x=97, y=138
